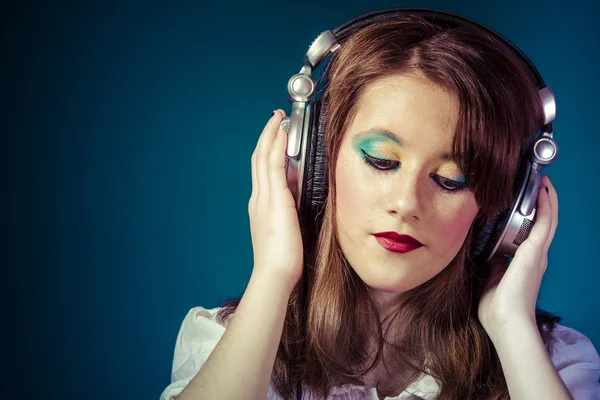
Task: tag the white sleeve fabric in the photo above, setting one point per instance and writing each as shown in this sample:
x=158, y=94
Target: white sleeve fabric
x=577, y=363
x=197, y=338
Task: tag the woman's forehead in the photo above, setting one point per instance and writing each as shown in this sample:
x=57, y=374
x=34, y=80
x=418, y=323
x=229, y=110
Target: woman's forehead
x=411, y=97
x=406, y=112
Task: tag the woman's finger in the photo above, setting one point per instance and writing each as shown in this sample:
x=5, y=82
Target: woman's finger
x=277, y=177
x=255, y=183
x=553, y=200
x=253, y=164
x=263, y=149
x=254, y=179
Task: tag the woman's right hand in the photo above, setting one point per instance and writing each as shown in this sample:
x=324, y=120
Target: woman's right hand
x=274, y=225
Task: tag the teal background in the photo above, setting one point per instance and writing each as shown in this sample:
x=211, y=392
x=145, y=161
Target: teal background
x=127, y=133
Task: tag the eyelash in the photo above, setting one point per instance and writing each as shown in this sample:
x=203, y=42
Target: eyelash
x=384, y=166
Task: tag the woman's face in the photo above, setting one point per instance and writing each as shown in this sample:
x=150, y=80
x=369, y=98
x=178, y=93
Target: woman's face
x=419, y=118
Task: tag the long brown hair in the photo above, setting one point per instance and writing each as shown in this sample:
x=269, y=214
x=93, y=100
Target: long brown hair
x=436, y=331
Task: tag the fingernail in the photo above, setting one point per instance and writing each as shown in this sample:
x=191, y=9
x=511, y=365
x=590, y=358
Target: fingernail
x=546, y=187
x=273, y=113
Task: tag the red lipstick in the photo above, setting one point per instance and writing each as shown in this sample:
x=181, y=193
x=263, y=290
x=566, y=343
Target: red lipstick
x=396, y=242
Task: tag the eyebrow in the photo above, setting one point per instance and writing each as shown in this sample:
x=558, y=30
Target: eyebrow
x=394, y=137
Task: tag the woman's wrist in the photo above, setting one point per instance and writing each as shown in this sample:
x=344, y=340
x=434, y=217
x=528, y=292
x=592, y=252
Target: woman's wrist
x=526, y=362
x=501, y=333
x=272, y=283
x=273, y=279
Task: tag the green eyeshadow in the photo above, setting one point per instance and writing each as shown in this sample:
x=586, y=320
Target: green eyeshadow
x=372, y=142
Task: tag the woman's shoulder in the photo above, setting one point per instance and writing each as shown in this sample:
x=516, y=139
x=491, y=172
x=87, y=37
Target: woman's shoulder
x=576, y=360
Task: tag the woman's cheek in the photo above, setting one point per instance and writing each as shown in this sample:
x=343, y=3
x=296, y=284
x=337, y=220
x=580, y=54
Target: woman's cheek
x=348, y=187
x=456, y=226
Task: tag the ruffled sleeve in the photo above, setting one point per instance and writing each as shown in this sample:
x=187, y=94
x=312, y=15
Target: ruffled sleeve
x=577, y=363
x=197, y=338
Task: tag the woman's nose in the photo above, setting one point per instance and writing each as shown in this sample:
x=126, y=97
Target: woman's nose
x=408, y=194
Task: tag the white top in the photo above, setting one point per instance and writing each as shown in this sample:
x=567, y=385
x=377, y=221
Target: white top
x=574, y=357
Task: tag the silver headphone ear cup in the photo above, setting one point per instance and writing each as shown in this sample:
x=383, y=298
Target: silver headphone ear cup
x=306, y=173
x=513, y=227
x=495, y=238
x=524, y=231
x=504, y=241
x=291, y=166
x=307, y=179
x=521, y=218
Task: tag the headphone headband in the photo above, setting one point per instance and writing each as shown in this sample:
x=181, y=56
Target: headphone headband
x=301, y=89
x=436, y=17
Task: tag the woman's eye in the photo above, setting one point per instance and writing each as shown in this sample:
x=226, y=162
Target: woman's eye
x=444, y=184
x=449, y=185
x=378, y=163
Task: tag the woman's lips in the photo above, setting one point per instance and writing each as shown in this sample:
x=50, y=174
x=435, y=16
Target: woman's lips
x=396, y=247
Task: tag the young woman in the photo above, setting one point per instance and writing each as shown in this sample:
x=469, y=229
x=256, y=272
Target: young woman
x=425, y=127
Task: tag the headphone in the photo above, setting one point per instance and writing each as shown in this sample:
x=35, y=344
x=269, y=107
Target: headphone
x=305, y=162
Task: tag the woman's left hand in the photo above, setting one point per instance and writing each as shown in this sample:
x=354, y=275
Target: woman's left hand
x=511, y=293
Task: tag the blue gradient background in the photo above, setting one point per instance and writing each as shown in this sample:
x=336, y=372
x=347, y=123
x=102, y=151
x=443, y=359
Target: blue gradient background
x=127, y=135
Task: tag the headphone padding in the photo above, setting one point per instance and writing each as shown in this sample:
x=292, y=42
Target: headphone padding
x=487, y=238
x=316, y=183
